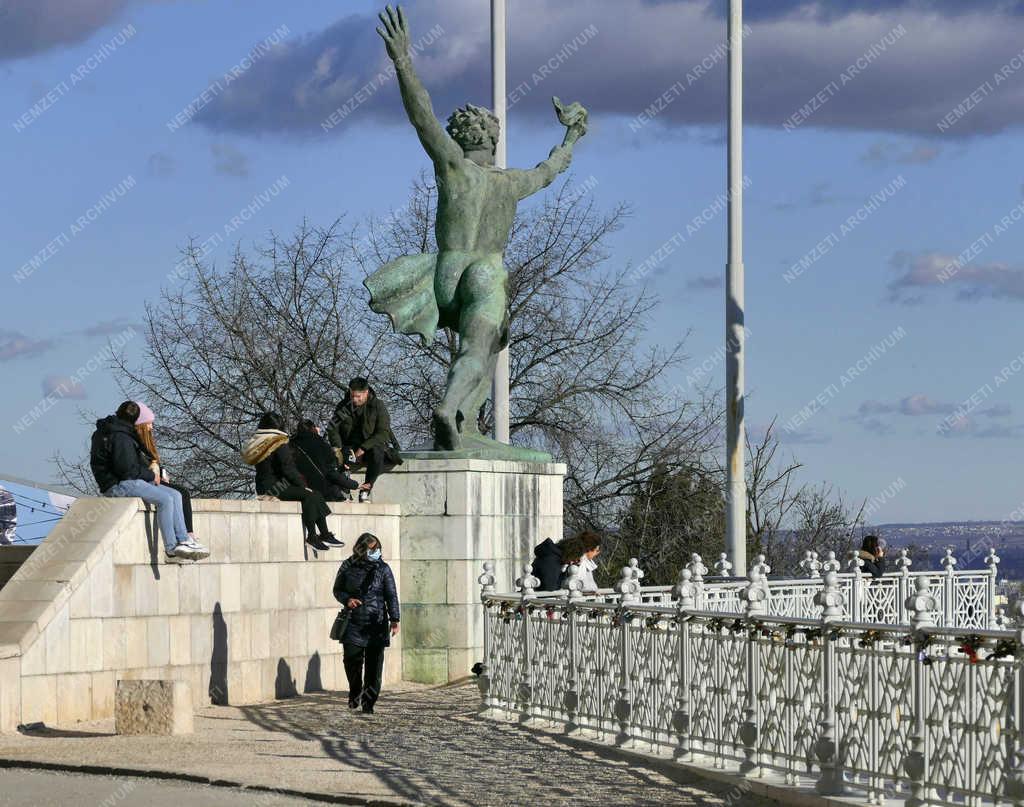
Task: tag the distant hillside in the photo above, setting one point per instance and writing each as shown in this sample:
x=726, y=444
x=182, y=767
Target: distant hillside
x=969, y=540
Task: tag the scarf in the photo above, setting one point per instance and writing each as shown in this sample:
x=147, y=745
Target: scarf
x=262, y=444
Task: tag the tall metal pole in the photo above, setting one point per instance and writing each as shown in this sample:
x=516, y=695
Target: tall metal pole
x=499, y=387
x=736, y=515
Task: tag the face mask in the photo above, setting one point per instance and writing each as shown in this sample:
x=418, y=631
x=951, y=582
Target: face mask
x=374, y=555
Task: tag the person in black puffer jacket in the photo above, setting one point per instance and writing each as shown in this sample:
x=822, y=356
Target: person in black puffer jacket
x=318, y=465
x=276, y=475
x=365, y=586
x=547, y=564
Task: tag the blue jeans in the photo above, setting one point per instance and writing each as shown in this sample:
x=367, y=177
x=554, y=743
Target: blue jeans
x=169, y=515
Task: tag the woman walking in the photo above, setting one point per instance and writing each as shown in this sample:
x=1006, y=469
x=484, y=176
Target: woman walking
x=276, y=475
x=365, y=586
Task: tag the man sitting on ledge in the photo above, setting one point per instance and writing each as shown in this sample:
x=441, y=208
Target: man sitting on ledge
x=361, y=431
x=121, y=466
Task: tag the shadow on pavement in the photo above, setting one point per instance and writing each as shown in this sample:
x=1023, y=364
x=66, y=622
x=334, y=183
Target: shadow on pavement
x=431, y=746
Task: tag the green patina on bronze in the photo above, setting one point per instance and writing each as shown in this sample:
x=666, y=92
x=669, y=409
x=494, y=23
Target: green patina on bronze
x=464, y=285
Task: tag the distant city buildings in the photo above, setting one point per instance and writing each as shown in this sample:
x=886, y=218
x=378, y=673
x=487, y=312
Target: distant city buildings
x=8, y=516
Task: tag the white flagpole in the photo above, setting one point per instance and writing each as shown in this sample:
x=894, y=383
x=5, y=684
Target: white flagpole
x=499, y=388
x=736, y=514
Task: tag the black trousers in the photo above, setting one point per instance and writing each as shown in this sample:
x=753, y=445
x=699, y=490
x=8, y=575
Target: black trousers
x=375, y=461
x=364, y=668
x=314, y=508
x=186, y=503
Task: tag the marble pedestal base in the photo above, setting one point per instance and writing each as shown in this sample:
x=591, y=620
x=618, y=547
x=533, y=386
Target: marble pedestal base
x=457, y=513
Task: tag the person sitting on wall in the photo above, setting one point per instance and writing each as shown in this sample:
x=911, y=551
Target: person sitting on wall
x=361, y=431
x=121, y=466
x=318, y=464
x=276, y=475
x=872, y=553
x=144, y=430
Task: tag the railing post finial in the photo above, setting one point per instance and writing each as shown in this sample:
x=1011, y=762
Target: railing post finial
x=830, y=598
x=755, y=595
x=922, y=605
x=810, y=564
x=948, y=561
x=764, y=568
x=527, y=584
x=992, y=560
x=638, y=573
x=697, y=568
x=722, y=565
x=903, y=562
x=628, y=587
x=831, y=564
x=855, y=562
x=486, y=580
x=685, y=590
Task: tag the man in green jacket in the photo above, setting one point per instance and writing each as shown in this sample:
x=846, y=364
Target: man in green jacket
x=361, y=430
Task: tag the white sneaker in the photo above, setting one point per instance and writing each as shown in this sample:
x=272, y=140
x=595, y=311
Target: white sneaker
x=364, y=496
x=180, y=552
x=198, y=550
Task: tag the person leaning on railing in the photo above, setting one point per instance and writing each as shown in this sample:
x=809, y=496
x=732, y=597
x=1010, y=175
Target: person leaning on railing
x=548, y=563
x=589, y=546
x=872, y=553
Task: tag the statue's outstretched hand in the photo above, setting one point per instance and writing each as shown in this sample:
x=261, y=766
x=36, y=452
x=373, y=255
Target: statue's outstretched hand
x=573, y=117
x=395, y=32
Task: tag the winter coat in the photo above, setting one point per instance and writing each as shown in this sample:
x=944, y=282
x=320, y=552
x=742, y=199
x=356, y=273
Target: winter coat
x=116, y=454
x=587, y=569
x=872, y=565
x=317, y=463
x=369, y=624
x=547, y=564
x=367, y=426
x=277, y=472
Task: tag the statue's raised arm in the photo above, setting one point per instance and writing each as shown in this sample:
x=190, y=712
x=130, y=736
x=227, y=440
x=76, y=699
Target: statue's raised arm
x=439, y=146
x=574, y=118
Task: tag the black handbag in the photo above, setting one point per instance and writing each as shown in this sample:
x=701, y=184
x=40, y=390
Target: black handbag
x=344, y=614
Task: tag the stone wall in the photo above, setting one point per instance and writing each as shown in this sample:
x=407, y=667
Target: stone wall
x=97, y=602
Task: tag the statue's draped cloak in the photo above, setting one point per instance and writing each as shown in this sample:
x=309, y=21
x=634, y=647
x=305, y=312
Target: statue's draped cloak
x=404, y=290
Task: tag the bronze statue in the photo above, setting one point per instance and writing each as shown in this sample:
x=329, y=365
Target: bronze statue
x=464, y=286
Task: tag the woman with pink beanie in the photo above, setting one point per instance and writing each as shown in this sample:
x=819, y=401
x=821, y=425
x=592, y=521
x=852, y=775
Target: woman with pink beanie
x=144, y=429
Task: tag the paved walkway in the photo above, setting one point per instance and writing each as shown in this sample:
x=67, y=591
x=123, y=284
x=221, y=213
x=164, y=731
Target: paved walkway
x=20, y=788
x=423, y=746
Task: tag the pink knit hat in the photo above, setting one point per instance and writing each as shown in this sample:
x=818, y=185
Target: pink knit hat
x=145, y=414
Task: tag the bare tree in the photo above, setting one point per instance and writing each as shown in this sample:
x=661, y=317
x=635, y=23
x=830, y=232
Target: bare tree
x=284, y=329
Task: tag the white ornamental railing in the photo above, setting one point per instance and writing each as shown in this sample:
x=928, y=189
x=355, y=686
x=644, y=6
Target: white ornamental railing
x=921, y=712
x=967, y=598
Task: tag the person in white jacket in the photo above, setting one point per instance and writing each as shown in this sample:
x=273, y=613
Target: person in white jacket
x=582, y=550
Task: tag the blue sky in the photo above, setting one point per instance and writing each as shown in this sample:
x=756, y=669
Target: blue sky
x=908, y=415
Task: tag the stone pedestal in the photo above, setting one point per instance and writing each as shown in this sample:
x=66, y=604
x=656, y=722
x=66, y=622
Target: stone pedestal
x=153, y=707
x=457, y=513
